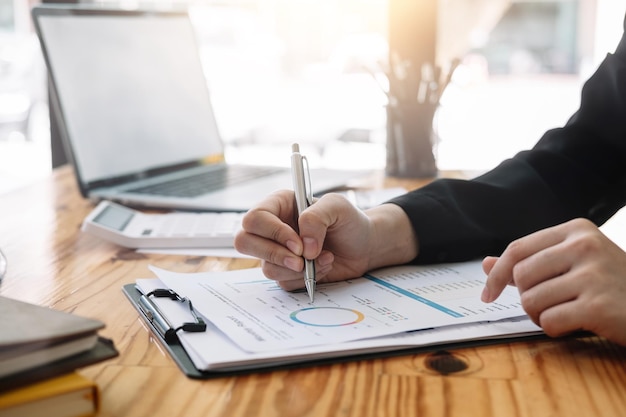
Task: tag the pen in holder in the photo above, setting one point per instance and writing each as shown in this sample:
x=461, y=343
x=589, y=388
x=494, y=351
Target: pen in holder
x=413, y=99
x=3, y=265
x=410, y=139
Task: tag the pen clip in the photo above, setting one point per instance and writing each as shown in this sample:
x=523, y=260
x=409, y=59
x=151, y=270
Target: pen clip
x=301, y=179
x=308, y=191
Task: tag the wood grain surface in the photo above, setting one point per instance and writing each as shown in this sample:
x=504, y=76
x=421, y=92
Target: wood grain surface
x=52, y=263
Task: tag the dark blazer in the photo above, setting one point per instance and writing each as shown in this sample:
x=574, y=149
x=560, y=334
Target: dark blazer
x=578, y=170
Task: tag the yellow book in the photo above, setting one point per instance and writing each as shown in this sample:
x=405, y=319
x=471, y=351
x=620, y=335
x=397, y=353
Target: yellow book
x=69, y=395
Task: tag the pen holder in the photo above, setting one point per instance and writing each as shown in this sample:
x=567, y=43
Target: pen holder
x=410, y=140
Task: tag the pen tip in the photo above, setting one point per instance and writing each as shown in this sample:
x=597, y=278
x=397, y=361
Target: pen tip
x=310, y=289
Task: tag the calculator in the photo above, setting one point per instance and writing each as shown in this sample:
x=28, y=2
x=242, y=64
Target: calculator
x=140, y=230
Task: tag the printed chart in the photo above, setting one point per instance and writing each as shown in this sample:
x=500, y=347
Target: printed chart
x=327, y=316
x=259, y=316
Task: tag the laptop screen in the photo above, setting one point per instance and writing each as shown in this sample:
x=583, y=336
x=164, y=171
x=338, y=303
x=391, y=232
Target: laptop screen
x=131, y=90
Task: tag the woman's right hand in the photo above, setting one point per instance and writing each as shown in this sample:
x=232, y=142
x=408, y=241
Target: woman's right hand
x=344, y=241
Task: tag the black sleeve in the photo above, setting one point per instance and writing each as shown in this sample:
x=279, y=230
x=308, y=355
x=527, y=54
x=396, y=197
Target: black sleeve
x=578, y=170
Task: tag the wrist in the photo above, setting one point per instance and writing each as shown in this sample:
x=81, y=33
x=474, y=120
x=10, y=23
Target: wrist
x=393, y=239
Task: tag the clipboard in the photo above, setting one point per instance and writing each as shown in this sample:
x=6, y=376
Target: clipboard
x=171, y=345
x=182, y=359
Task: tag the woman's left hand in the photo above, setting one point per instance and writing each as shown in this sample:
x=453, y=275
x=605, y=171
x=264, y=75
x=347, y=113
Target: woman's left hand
x=570, y=277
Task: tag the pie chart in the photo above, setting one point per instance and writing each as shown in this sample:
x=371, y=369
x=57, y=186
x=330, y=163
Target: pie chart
x=327, y=316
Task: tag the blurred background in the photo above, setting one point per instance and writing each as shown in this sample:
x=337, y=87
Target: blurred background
x=316, y=72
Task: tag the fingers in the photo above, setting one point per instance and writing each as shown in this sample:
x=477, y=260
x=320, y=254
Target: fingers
x=537, y=299
x=561, y=319
x=315, y=222
x=269, y=250
x=488, y=263
x=570, y=277
x=540, y=299
x=574, y=316
x=501, y=272
x=267, y=232
x=293, y=280
x=598, y=309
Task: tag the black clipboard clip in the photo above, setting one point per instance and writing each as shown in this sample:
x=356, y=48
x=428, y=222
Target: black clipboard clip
x=161, y=323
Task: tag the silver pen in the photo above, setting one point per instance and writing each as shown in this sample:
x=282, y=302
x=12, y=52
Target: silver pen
x=304, y=198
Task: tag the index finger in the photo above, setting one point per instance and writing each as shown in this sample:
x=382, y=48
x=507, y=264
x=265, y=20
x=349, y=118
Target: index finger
x=501, y=273
x=268, y=225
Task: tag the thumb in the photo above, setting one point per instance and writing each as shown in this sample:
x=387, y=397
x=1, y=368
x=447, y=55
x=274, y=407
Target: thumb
x=315, y=221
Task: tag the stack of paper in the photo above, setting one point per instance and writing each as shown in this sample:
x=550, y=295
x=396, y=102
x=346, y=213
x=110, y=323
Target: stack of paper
x=252, y=323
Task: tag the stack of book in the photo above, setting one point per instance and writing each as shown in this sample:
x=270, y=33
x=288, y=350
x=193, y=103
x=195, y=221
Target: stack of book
x=41, y=350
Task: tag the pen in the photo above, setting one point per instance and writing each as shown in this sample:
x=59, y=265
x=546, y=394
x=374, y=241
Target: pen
x=304, y=199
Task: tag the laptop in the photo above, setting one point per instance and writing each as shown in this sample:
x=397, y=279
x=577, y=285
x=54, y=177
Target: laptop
x=135, y=115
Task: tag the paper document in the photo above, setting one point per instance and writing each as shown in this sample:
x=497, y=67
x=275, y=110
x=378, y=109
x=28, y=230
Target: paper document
x=214, y=252
x=258, y=316
x=214, y=351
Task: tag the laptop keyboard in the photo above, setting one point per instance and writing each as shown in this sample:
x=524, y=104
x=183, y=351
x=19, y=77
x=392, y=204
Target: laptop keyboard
x=202, y=183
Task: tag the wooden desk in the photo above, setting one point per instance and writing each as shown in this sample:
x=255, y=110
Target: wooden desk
x=50, y=262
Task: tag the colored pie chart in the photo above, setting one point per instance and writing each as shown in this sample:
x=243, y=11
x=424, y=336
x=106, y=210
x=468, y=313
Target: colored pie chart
x=327, y=316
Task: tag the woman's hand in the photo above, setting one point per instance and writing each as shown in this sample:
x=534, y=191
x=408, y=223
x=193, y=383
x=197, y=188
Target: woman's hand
x=570, y=277
x=344, y=241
